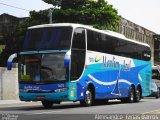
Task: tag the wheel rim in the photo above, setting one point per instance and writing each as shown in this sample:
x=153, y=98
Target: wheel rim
x=138, y=95
x=88, y=97
x=132, y=95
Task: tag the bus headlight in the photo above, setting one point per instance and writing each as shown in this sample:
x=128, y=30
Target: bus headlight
x=61, y=90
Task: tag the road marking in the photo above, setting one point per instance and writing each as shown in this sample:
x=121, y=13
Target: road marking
x=153, y=112
x=49, y=112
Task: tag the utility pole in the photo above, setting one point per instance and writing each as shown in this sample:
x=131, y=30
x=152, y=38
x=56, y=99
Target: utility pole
x=50, y=11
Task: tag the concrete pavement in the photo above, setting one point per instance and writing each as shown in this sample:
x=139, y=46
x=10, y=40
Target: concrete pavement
x=2, y=102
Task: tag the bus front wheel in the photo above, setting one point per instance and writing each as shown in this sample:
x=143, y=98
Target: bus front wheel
x=89, y=99
x=47, y=104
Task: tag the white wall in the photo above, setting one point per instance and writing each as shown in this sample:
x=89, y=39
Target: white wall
x=8, y=84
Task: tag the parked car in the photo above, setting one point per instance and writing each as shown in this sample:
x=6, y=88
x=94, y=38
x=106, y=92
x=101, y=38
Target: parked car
x=156, y=75
x=154, y=90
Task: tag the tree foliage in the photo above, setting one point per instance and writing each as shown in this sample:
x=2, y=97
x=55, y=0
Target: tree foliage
x=99, y=13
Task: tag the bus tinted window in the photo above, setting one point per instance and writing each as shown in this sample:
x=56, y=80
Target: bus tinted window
x=78, y=53
x=106, y=44
x=93, y=40
x=48, y=38
x=146, y=53
x=79, y=39
x=112, y=45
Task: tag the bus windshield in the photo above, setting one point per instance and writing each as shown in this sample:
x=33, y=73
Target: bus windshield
x=44, y=68
x=48, y=38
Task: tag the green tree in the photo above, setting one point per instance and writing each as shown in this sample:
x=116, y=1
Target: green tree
x=98, y=13
x=10, y=47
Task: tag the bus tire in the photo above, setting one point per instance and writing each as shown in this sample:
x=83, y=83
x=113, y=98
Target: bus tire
x=138, y=95
x=89, y=98
x=47, y=104
x=131, y=97
x=157, y=94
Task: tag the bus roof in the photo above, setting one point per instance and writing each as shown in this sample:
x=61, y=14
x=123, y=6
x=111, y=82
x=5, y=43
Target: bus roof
x=74, y=25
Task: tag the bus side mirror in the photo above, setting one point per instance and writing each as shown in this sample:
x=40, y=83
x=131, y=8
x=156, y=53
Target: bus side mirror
x=10, y=60
x=67, y=59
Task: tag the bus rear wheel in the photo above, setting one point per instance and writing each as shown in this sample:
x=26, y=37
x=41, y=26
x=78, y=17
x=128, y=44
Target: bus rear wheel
x=47, y=104
x=157, y=94
x=89, y=99
x=138, y=95
x=132, y=96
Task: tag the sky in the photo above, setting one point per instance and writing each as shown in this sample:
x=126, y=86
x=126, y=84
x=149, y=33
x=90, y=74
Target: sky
x=145, y=13
x=142, y=12
x=28, y=5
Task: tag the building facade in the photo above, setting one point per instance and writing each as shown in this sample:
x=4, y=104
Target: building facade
x=8, y=24
x=156, y=49
x=138, y=33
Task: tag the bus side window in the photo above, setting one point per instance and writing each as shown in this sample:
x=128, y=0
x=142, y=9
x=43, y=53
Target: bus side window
x=93, y=40
x=78, y=53
x=79, y=39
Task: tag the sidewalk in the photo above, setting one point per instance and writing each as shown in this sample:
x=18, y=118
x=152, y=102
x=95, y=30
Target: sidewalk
x=2, y=102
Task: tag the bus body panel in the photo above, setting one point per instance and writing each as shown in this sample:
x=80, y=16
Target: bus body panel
x=113, y=75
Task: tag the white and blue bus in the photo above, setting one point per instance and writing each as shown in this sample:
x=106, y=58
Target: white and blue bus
x=73, y=62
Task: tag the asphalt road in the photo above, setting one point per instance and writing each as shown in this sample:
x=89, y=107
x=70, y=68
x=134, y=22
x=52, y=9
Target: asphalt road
x=147, y=109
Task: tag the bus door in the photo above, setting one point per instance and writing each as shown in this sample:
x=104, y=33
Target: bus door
x=78, y=54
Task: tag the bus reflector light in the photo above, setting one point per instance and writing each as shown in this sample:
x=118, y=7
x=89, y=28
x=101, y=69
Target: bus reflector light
x=40, y=97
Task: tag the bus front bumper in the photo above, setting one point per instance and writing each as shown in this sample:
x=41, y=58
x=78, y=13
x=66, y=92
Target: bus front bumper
x=60, y=96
